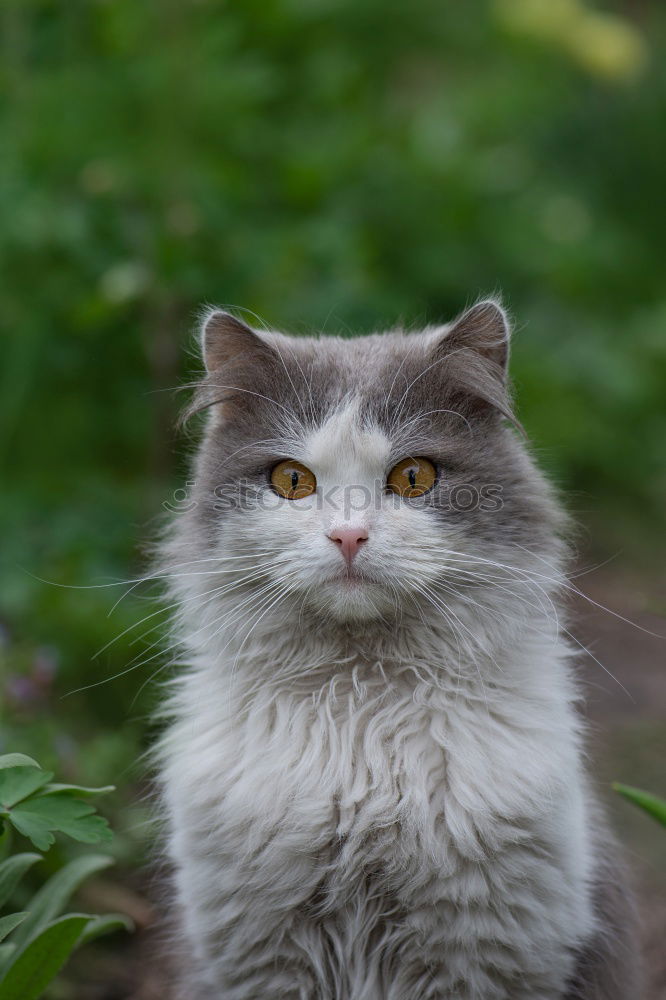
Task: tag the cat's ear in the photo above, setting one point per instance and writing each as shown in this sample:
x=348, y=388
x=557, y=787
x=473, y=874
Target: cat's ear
x=225, y=338
x=474, y=350
x=240, y=367
x=484, y=329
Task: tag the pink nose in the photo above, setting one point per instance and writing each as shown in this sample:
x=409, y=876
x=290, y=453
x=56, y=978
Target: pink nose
x=349, y=540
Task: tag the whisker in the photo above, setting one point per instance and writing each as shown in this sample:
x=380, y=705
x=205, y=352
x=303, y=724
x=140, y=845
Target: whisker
x=194, y=598
x=579, y=593
x=472, y=657
x=250, y=392
x=493, y=582
x=585, y=649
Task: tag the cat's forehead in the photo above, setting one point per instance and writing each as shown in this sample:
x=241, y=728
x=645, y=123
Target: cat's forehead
x=352, y=401
x=353, y=383
x=347, y=441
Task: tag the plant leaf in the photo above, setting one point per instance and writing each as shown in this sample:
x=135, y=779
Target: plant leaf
x=52, y=897
x=8, y=923
x=35, y=830
x=17, y=760
x=17, y=783
x=650, y=803
x=78, y=790
x=31, y=971
x=106, y=925
x=6, y=953
x=12, y=871
x=62, y=812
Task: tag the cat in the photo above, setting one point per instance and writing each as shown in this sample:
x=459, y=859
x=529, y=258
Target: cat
x=372, y=765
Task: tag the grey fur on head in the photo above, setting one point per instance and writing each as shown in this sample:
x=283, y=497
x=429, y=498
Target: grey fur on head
x=373, y=768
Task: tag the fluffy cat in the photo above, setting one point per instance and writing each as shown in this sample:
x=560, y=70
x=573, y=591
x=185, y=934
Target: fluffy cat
x=372, y=766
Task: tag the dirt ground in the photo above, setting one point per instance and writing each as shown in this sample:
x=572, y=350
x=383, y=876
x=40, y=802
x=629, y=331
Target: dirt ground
x=627, y=735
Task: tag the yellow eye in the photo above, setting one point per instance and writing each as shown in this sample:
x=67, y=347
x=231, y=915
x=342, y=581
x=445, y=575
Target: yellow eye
x=412, y=477
x=292, y=480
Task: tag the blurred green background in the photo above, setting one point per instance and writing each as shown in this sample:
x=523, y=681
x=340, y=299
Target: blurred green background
x=330, y=165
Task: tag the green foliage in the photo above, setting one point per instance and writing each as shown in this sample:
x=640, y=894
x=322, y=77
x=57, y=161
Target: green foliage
x=28, y=974
x=651, y=804
x=12, y=871
x=38, y=941
x=9, y=923
x=37, y=808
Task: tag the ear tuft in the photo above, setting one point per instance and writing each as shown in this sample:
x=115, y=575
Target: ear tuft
x=483, y=328
x=224, y=337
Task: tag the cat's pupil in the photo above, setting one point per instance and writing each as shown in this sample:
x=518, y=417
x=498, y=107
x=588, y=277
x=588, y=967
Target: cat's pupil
x=412, y=478
x=294, y=480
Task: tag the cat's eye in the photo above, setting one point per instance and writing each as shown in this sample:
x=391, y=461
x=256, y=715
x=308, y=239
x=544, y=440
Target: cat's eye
x=412, y=477
x=292, y=480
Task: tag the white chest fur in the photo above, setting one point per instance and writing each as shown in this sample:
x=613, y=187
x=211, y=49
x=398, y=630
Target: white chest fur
x=380, y=838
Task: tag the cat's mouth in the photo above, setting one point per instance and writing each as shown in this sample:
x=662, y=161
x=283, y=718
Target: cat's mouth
x=353, y=594
x=353, y=577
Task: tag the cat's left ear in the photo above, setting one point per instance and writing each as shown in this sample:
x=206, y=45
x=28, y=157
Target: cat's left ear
x=484, y=329
x=226, y=339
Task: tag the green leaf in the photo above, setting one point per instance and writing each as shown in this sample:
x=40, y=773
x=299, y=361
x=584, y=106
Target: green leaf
x=6, y=953
x=106, y=924
x=42, y=814
x=52, y=897
x=78, y=790
x=34, y=829
x=17, y=783
x=12, y=871
x=8, y=923
x=36, y=966
x=651, y=804
x=17, y=760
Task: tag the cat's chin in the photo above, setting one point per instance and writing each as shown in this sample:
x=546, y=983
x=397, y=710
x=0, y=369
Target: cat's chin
x=353, y=599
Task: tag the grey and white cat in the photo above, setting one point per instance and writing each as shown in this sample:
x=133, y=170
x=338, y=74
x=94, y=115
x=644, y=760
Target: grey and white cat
x=372, y=768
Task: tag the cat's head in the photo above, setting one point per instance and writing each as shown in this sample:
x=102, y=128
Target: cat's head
x=366, y=478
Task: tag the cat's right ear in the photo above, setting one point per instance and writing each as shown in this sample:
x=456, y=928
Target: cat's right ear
x=483, y=330
x=224, y=338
